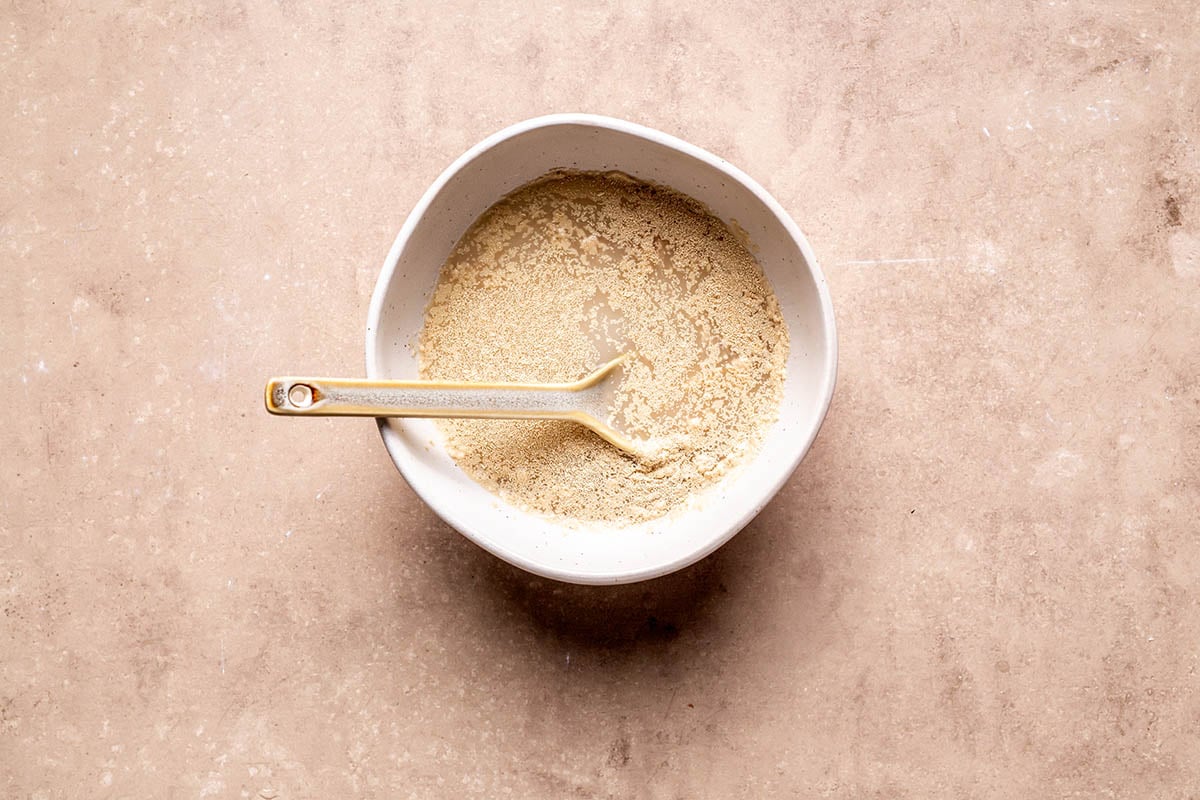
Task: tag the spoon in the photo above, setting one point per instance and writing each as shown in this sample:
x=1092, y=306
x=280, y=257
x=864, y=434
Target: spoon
x=589, y=401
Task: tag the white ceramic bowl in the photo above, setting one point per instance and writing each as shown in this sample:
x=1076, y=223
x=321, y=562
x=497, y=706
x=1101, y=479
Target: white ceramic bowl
x=597, y=554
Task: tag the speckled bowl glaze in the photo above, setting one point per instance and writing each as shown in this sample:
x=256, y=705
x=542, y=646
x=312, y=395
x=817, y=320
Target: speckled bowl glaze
x=594, y=553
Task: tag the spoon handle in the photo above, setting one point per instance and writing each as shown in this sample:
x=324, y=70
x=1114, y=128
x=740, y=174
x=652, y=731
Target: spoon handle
x=341, y=397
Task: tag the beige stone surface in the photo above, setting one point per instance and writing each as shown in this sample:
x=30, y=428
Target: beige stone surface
x=983, y=581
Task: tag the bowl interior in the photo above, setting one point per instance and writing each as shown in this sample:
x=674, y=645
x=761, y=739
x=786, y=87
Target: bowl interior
x=596, y=553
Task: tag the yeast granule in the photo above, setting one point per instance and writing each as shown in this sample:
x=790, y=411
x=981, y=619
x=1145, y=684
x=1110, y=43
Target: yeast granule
x=566, y=273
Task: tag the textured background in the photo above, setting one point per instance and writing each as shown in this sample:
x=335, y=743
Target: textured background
x=983, y=581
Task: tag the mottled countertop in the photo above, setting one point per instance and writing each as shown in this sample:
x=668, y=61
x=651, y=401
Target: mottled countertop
x=983, y=581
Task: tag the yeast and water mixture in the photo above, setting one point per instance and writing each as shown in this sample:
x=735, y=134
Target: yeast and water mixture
x=568, y=272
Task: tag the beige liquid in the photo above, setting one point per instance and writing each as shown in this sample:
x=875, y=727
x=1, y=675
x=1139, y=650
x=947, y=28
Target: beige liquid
x=565, y=274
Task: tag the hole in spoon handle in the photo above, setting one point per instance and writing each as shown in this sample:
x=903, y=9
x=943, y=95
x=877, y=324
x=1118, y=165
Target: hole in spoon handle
x=294, y=396
x=300, y=395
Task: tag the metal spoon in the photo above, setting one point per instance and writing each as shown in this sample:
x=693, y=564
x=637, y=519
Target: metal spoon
x=589, y=401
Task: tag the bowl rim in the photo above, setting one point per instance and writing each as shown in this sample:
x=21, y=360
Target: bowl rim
x=387, y=274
